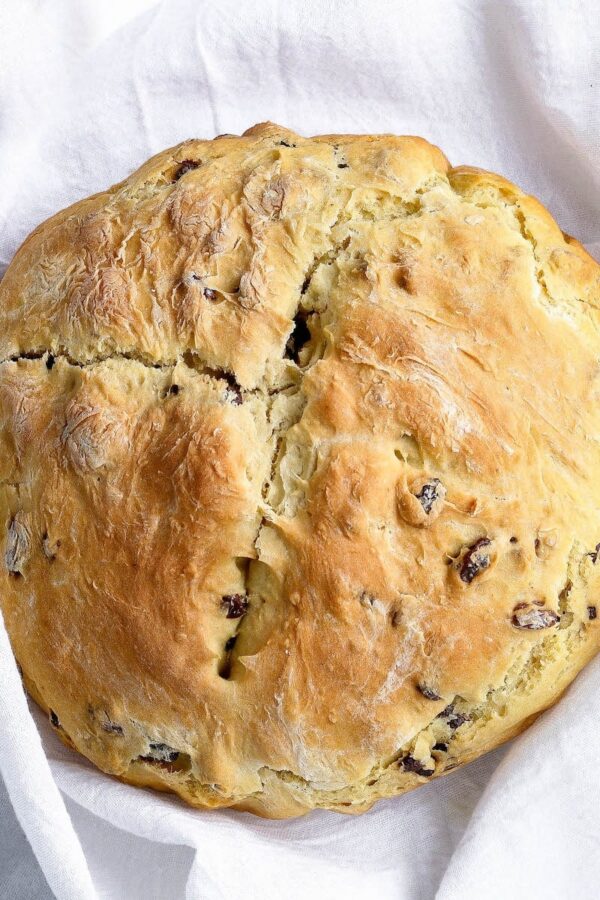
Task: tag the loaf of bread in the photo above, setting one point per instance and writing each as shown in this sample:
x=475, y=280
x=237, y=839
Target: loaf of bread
x=300, y=468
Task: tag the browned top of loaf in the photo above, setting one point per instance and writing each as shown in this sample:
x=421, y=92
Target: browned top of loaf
x=300, y=468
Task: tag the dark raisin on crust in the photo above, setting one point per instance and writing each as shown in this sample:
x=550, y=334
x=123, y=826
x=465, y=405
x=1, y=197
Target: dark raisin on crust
x=453, y=719
x=592, y=612
x=174, y=389
x=428, y=494
x=53, y=719
x=226, y=660
x=285, y=144
x=50, y=360
x=111, y=727
x=342, y=165
x=533, y=618
x=457, y=720
x=188, y=165
x=236, y=605
x=428, y=692
x=475, y=560
x=594, y=554
x=161, y=753
x=514, y=540
x=410, y=764
x=299, y=336
x=210, y=293
x=441, y=747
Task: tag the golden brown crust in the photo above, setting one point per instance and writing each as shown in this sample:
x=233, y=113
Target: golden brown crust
x=298, y=488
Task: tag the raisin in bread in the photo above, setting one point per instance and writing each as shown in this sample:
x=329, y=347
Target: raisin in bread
x=299, y=468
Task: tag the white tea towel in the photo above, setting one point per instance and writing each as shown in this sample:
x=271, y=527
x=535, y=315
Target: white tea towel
x=87, y=92
x=33, y=792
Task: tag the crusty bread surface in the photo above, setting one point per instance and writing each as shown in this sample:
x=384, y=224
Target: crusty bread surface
x=299, y=468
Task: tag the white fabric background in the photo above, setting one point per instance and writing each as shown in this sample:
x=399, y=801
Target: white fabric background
x=88, y=91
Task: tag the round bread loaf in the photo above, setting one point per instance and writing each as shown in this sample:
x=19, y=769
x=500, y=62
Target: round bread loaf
x=299, y=468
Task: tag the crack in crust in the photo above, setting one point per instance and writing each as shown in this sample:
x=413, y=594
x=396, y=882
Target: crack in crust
x=279, y=444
